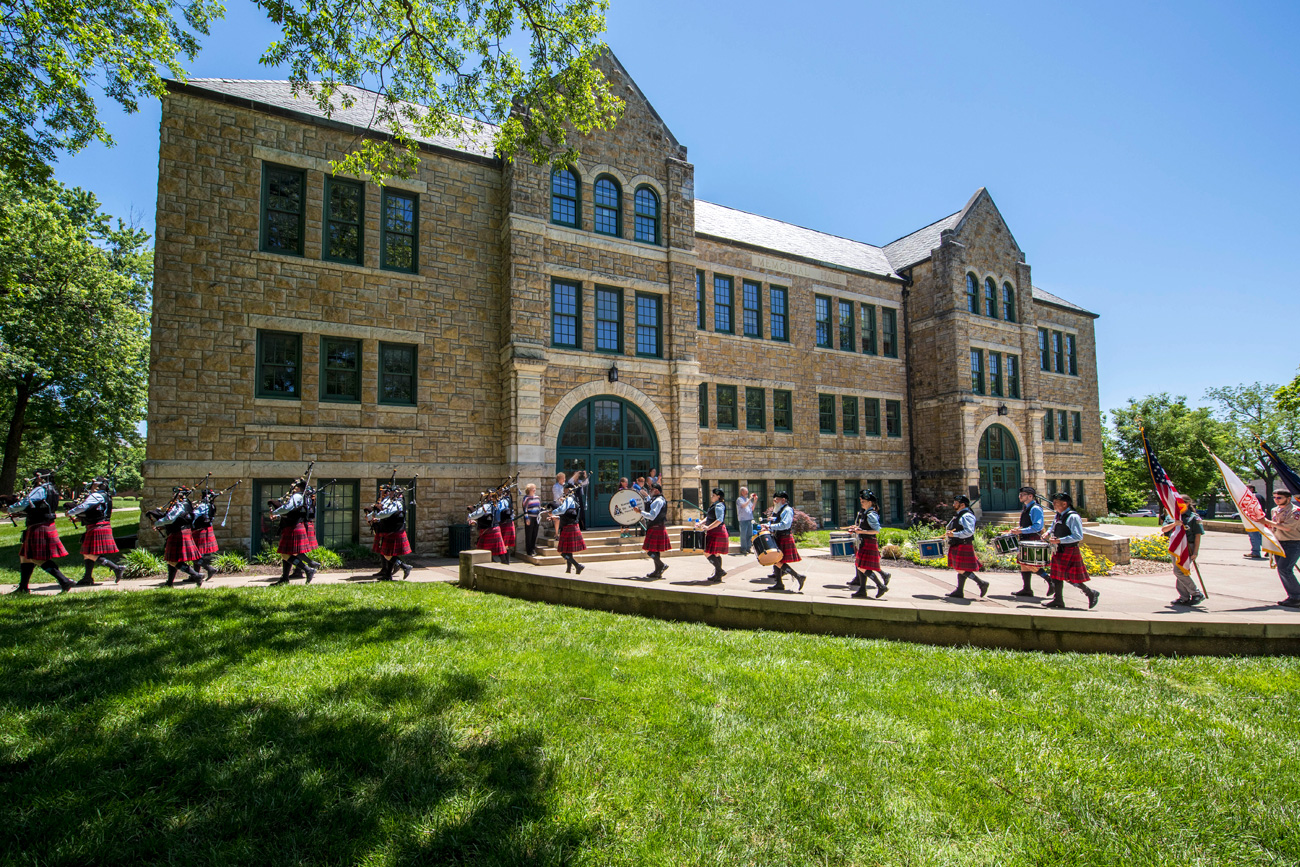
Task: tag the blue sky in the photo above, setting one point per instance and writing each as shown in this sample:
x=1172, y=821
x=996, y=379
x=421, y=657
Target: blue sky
x=1143, y=154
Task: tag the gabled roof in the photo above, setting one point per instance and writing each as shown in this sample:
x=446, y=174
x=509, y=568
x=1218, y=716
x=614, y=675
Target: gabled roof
x=916, y=247
x=728, y=224
x=361, y=115
x=1044, y=297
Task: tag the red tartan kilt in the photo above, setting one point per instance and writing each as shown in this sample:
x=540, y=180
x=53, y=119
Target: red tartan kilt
x=508, y=535
x=656, y=539
x=298, y=540
x=376, y=543
x=717, y=541
x=868, y=554
x=788, y=551
x=571, y=541
x=963, y=559
x=393, y=544
x=180, y=547
x=1067, y=565
x=42, y=543
x=490, y=540
x=206, y=541
x=98, y=540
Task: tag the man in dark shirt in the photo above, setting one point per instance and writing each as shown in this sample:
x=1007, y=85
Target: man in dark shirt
x=1188, y=593
x=1256, y=540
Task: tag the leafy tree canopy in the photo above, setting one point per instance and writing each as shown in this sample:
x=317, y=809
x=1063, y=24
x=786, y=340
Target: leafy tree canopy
x=1250, y=412
x=1288, y=396
x=442, y=67
x=1175, y=432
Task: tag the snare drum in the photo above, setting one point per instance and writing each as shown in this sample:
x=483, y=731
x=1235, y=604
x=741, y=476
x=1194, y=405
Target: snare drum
x=767, y=548
x=931, y=549
x=692, y=540
x=1035, y=555
x=1006, y=544
x=842, y=546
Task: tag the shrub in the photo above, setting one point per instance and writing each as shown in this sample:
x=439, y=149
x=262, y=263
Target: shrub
x=230, y=562
x=355, y=551
x=1095, y=563
x=141, y=562
x=891, y=536
x=1109, y=519
x=267, y=555
x=802, y=524
x=892, y=552
x=1150, y=548
x=326, y=558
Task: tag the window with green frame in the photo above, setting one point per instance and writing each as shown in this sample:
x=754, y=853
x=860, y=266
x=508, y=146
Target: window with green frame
x=345, y=218
x=893, y=418
x=1076, y=426
x=699, y=300
x=722, y=304
x=399, y=226
x=751, y=303
x=1049, y=425
x=847, y=341
x=726, y=407
x=704, y=404
x=338, y=514
x=977, y=371
x=849, y=409
x=868, y=329
x=566, y=314
x=889, y=332
x=564, y=198
x=779, y=320
x=826, y=413
x=646, y=204
x=1062, y=426
x=607, y=207
x=755, y=409
x=1080, y=498
x=1013, y=376
x=284, y=209
x=397, y=373
x=648, y=312
x=758, y=487
x=1070, y=356
x=1058, y=354
x=871, y=417
x=830, y=504
x=609, y=320
x=896, y=502
x=1008, y=302
x=782, y=411
x=1044, y=356
x=340, y=369
x=279, y=365
x=972, y=294
x=990, y=298
x=823, y=314
x=730, y=491
x=995, y=374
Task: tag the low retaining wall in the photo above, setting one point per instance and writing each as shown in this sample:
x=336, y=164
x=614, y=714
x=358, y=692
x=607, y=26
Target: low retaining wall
x=1113, y=548
x=1226, y=526
x=956, y=626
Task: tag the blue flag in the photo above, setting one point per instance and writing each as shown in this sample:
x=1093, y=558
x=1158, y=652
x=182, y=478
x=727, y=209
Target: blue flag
x=1285, y=474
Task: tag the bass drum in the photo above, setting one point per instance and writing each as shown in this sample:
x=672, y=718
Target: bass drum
x=620, y=507
x=767, y=548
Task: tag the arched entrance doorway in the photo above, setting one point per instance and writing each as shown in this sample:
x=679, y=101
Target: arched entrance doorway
x=999, y=461
x=611, y=439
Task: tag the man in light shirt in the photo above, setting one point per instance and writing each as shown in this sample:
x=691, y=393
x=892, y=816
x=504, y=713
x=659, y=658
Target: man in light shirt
x=1286, y=527
x=745, y=516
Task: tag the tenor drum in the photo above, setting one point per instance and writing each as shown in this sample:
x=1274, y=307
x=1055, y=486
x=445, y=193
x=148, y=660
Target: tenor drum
x=1006, y=544
x=767, y=548
x=692, y=540
x=842, y=546
x=1035, y=554
x=620, y=507
x=931, y=549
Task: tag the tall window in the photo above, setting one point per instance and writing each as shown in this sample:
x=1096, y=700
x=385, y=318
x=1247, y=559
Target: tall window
x=1062, y=425
x=990, y=298
x=889, y=332
x=755, y=409
x=782, y=411
x=830, y=504
x=826, y=413
x=397, y=368
x=780, y=299
x=340, y=364
x=1008, y=302
x=722, y=304
x=726, y=407
x=893, y=418
x=1070, y=358
x=609, y=320
x=345, y=211
x=1080, y=501
x=896, y=502
x=977, y=371
x=564, y=198
x=1076, y=426
x=823, y=310
x=648, y=310
x=1044, y=353
x=1013, y=376
x=566, y=304
x=398, y=229
x=972, y=294
x=847, y=342
x=751, y=300
x=1049, y=425
x=699, y=300
x=279, y=365
x=704, y=404
x=607, y=207
x=871, y=416
x=647, y=215
x=869, y=329
x=849, y=405
x=995, y=374
x=284, y=212
x=1058, y=357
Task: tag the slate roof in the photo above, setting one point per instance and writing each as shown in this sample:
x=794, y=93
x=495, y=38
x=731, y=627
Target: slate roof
x=279, y=94
x=1046, y=297
x=916, y=247
x=728, y=224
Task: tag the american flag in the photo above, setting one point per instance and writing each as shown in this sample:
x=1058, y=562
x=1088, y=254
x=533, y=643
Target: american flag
x=1173, y=504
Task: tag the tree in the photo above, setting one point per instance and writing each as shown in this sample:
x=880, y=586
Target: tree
x=1288, y=396
x=74, y=329
x=444, y=56
x=1127, y=481
x=1251, y=411
x=1175, y=432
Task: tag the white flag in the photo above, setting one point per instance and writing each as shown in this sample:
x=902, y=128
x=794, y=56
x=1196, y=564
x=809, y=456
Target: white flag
x=1248, y=507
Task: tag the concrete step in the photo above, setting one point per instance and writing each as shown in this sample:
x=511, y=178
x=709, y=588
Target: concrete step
x=1001, y=518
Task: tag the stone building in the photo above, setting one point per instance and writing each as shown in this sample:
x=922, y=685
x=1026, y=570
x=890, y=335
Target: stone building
x=484, y=318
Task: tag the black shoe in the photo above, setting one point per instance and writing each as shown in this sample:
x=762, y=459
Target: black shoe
x=1093, y=597
x=24, y=591
x=956, y=594
x=800, y=579
x=311, y=573
x=1182, y=600
x=880, y=591
x=406, y=571
x=283, y=579
x=778, y=587
x=984, y=587
x=65, y=585
x=211, y=572
x=118, y=572
x=1053, y=604
x=1290, y=603
x=885, y=577
x=861, y=593
x=1023, y=591
x=579, y=567
x=856, y=582
x=88, y=581
x=1198, y=598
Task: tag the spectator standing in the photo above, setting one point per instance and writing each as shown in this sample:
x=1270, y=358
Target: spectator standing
x=532, y=506
x=557, y=489
x=1256, y=539
x=1286, y=526
x=653, y=478
x=745, y=516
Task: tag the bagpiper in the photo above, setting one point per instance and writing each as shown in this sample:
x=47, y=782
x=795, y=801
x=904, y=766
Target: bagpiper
x=656, y=534
x=961, y=547
x=1067, y=562
x=205, y=536
x=40, y=544
x=179, y=550
x=782, y=528
x=867, y=561
x=391, y=541
x=95, y=511
x=506, y=522
x=487, y=518
x=717, y=541
x=295, y=540
x=570, y=536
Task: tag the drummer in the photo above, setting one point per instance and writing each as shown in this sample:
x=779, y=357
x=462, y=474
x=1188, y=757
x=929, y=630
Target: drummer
x=717, y=541
x=867, y=562
x=782, y=527
x=1067, y=562
x=1031, y=530
x=656, y=534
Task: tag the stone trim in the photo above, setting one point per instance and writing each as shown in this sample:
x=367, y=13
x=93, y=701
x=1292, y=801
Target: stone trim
x=333, y=329
x=270, y=469
x=583, y=275
x=583, y=238
x=602, y=388
x=289, y=158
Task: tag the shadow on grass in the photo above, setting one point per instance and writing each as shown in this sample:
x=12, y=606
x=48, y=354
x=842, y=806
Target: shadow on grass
x=123, y=747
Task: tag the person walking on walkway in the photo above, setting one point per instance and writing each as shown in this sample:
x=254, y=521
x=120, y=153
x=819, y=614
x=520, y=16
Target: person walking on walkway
x=1286, y=527
x=1067, y=562
x=1256, y=539
x=1188, y=593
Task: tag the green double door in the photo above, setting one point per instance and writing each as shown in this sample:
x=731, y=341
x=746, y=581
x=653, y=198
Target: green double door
x=611, y=440
x=999, y=463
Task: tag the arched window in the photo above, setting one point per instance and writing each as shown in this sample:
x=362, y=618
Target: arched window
x=990, y=298
x=972, y=293
x=1008, y=302
x=607, y=203
x=647, y=215
x=564, y=197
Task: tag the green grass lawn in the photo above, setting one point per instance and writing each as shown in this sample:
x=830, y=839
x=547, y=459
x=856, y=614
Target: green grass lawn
x=1140, y=522
x=124, y=524
x=425, y=724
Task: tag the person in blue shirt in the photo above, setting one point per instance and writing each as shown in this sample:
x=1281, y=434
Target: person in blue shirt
x=1031, y=530
x=961, y=548
x=1067, y=562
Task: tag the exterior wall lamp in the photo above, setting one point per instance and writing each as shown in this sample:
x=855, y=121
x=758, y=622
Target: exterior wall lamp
x=1002, y=410
x=613, y=373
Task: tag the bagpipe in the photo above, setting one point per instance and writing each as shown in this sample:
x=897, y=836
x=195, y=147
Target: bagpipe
x=489, y=497
x=32, y=484
x=393, y=490
x=308, y=492
x=106, y=483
